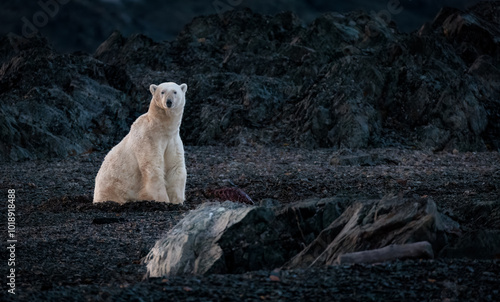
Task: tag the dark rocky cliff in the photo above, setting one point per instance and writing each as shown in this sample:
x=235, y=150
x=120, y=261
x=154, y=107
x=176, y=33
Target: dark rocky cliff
x=346, y=80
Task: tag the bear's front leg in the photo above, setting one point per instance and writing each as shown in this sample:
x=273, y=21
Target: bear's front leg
x=175, y=182
x=153, y=190
x=153, y=186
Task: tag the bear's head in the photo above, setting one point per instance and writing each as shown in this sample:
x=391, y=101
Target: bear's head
x=169, y=96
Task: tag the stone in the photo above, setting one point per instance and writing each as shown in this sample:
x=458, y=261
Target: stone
x=57, y=105
x=352, y=160
x=235, y=238
x=361, y=158
x=191, y=246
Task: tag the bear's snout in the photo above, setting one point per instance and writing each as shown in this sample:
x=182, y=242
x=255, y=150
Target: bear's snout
x=169, y=103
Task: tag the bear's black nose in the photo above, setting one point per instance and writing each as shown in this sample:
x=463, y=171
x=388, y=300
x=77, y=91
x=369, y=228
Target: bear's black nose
x=169, y=103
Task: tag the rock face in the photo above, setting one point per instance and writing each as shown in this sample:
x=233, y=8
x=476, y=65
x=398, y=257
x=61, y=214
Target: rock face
x=345, y=80
x=235, y=238
x=55, y=105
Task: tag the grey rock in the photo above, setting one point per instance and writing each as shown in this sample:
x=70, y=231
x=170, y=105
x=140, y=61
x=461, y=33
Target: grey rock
x=58, y=105
x=359, y=158
x=235, y=238
x=353, y=160
x=192, y=245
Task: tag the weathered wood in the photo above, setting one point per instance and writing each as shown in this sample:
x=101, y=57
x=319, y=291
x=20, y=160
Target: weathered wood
x=417, y=250
x=375, y=224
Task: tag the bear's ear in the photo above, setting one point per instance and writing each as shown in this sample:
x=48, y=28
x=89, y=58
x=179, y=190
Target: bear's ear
x=152, y=88
x=184, y=88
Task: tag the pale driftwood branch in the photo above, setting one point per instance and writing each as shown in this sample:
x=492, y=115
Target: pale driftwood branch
x=418, y=250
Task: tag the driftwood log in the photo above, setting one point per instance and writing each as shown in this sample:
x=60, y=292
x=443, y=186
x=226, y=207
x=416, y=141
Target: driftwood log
x=417, y=250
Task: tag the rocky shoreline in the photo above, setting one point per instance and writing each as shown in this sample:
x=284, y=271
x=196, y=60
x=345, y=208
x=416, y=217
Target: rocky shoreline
x=71, y=249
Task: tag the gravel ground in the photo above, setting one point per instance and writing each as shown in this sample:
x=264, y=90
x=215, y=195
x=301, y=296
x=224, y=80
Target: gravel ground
x=69, y=249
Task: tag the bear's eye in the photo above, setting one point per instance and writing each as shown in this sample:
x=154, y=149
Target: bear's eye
x=163, y=92
x=175, y=92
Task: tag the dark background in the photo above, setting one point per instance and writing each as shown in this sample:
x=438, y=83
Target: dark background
x=84, y=24
x=340, y=80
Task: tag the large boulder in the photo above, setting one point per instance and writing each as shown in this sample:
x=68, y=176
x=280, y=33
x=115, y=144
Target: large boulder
x=192, y=245
x=235, y=238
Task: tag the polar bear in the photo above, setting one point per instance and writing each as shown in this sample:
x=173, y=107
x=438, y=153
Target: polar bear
x=148, y=164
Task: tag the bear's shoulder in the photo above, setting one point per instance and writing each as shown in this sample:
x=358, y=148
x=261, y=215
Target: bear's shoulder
x=141, y=122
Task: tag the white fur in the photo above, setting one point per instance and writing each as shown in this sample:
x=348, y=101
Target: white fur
x=148, y=164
